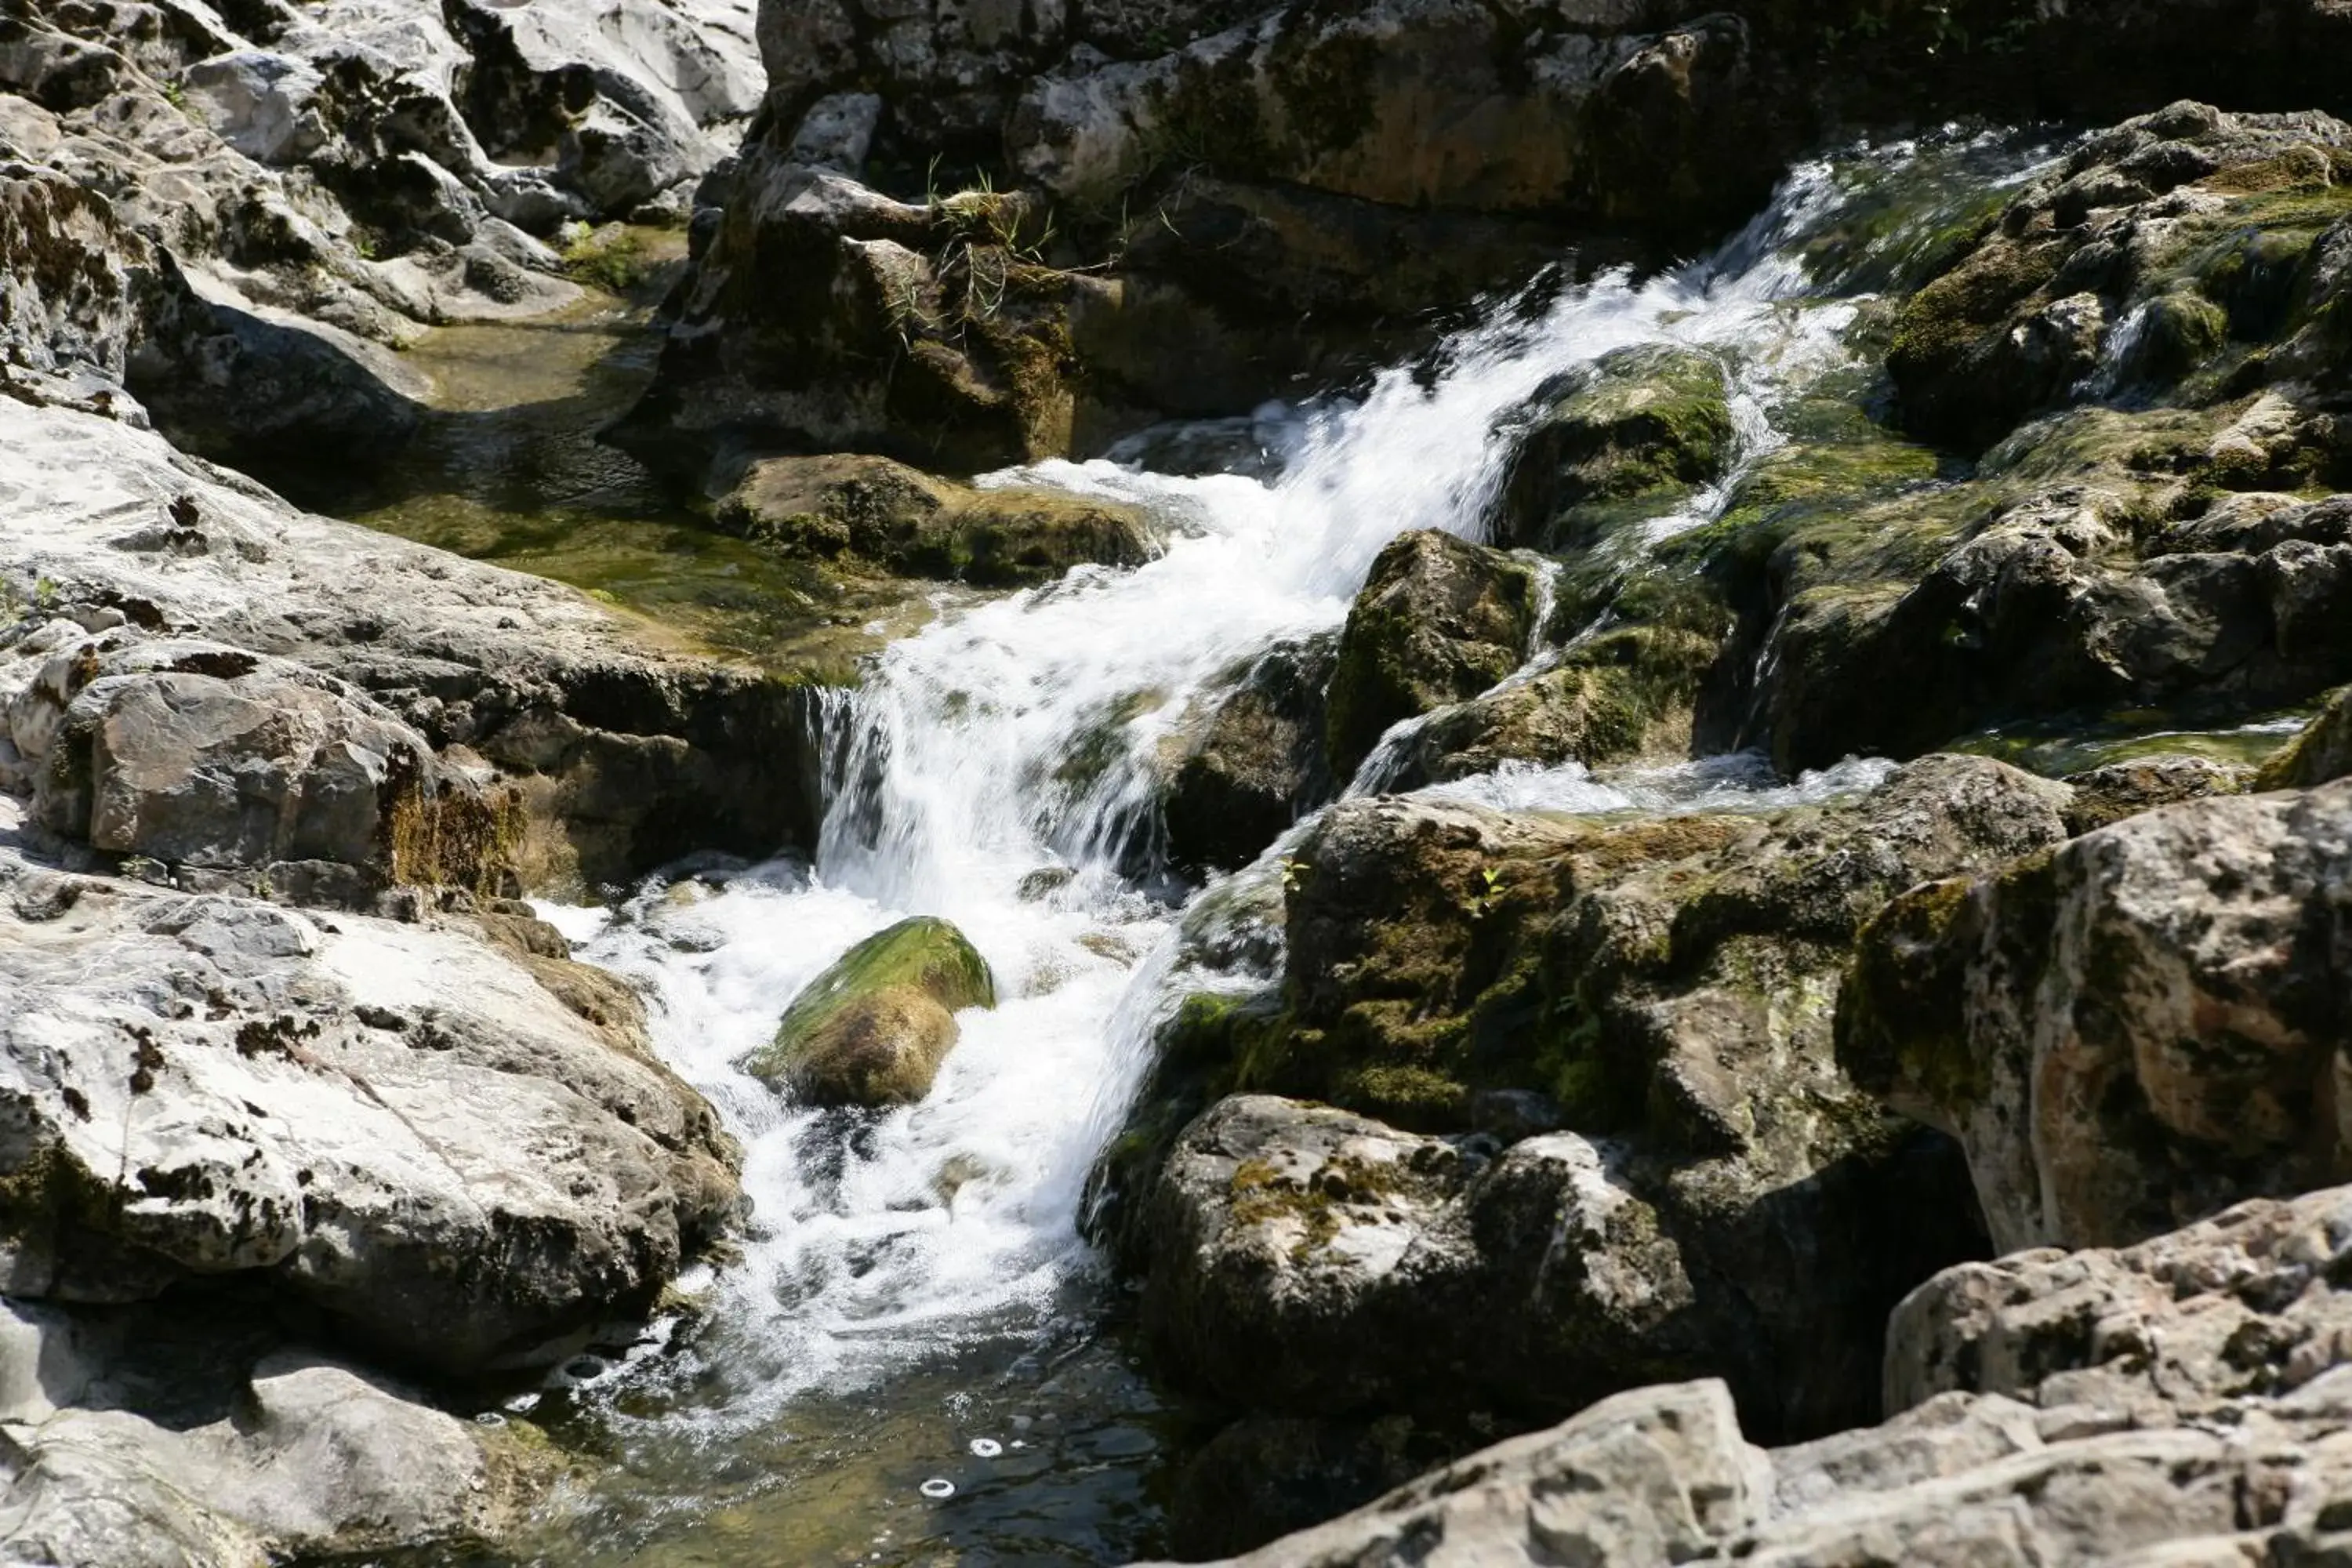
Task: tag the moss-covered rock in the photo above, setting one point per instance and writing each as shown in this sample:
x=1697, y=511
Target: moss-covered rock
x=1438, y=621
x=2176, y=256
x=1664, y=990
x=888, y=516
x=2073, y=575
x=873, y=1027
x=1623, y=695
x=1629, y=437
x=2320, y=755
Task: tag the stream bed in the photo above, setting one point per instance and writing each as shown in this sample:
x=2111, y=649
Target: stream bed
x=911, y=1356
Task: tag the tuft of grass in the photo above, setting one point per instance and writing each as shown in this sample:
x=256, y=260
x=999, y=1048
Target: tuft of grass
x=612, y=258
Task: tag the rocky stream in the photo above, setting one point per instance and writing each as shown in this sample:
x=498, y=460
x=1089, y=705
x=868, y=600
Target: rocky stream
x=823, y=782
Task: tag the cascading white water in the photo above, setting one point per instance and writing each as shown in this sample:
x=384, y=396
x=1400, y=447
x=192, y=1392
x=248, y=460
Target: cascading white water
x=996, y=770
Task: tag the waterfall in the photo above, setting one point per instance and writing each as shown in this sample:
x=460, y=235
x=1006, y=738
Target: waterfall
x=998, y=770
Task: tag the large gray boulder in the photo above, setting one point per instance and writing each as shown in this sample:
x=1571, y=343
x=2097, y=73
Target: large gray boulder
x=627, y=752
x=193, y=753
x=451, y=1155
x=236, y=1464
x=2129, y=1032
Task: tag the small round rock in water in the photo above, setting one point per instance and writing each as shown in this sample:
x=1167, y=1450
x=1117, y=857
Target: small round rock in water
x=986, y=1448
x=490, y=1418
x=939, y=1489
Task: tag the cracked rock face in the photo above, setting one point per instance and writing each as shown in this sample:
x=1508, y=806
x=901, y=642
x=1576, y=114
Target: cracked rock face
x=111, y=542
x=2129, y=1032
x=394, y=1123
x=1704, y=1191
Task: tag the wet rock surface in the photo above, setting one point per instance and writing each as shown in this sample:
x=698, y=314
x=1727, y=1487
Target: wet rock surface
x=873, y=1029
x=1704, y=1191
x=1438, y=621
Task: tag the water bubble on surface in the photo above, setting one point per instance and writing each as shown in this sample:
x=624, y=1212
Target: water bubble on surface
x=939, y=1489
x=986, y=1448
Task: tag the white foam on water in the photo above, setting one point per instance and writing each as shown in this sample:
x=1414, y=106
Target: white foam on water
x=1017, y=738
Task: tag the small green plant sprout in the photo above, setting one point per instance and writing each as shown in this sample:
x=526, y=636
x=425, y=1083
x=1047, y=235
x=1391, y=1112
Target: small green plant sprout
x=1295, y=871
x=45, y=593
x=1489, y=896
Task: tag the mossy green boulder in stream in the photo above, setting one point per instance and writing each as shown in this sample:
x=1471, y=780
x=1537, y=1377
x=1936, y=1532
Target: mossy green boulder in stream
x=873, y=1029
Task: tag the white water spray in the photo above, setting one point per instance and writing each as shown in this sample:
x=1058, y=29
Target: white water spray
x=997, y=770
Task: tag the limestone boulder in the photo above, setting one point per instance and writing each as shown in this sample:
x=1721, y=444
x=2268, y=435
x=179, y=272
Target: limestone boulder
x=193, y=753
x=394, y=1126
x=953, y=334
x=1254, y=763
x=873, y=1029
x=627, y=752
x=82, y=292
x=1614, y=697
x=2127, y=1033
x=2179, y=1401
x=238, y=1464
x=2116, y=271
x=1523, y=1029
x=2051, y=607
x=1625, y=441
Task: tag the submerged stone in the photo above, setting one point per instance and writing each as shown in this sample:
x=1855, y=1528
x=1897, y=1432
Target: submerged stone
x=873, y=1029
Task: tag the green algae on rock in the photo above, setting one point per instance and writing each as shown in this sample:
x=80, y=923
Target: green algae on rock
x=873, y=1027
x=1641, y=1008
x=884, y=515
x=1626, y=440
x=2320, y=753
x=1438, y=620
